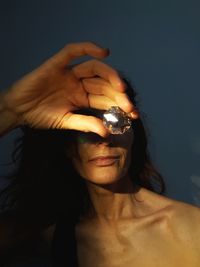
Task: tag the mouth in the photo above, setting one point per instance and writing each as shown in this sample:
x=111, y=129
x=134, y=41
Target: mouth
x=103, y=161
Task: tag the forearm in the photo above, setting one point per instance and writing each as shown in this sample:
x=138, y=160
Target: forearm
x=8, y=120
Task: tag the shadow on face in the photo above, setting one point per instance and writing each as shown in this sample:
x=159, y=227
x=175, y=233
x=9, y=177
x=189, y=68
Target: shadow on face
x=101, y=160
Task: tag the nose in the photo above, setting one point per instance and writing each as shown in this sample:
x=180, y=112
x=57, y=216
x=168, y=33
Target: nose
x=107, y=140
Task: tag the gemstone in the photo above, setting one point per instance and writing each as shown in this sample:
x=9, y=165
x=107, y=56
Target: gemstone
x=116, y=120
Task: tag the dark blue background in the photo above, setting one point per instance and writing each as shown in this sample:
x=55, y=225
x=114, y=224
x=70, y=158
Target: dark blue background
x=155, y=43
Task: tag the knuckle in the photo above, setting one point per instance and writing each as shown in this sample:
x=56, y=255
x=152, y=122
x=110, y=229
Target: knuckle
x=115, y=72
x=87, y=43
x=70, y=46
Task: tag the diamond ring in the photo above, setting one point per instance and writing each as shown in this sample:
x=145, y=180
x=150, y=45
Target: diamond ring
x=116, y=120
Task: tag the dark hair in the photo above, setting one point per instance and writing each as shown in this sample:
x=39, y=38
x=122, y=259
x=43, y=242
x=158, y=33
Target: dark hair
x=46, y=184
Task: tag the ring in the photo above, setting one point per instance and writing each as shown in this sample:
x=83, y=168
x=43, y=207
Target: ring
x=116, y=120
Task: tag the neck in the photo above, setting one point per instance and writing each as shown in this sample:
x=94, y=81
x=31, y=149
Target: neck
x=114, y=201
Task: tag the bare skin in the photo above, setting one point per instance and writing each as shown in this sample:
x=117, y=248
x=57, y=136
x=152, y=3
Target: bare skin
x=156, y=232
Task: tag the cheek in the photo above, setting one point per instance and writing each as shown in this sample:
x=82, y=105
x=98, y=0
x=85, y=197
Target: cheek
x=125, y=140
x=80, y=158
x=75, y=153
x=127, y=144
x=126, y=160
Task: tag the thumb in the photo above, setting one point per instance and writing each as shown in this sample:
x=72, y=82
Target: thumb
x=84, y=123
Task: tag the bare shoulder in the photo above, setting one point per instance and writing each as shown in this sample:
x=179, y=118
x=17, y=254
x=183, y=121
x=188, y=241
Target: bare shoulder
x=186, y=217
x=181, y=210
x=182, y=223
x=190, y=213
x=183, y=218
x=179, y=222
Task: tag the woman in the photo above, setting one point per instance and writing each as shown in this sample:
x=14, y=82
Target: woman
x=87, y=191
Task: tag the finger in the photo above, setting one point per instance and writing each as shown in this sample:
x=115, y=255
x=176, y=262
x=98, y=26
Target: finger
x=85, y=124
x=93, y=68
x=75, y=50
x=100, y=102
x=97, y=86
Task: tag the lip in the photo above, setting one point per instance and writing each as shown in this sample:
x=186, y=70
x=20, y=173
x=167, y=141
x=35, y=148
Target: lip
x=105, y=160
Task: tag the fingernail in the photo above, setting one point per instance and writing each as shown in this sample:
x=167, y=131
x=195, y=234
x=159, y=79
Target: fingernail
x=134, y=114
x=107, y=51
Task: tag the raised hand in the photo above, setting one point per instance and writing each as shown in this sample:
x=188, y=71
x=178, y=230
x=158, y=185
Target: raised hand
x=48, y=96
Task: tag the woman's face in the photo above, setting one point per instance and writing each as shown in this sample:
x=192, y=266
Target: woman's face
x=101, y=160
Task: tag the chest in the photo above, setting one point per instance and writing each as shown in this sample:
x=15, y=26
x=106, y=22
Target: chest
x=145, y=248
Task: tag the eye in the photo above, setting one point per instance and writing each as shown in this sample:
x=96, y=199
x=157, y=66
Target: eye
x=88, y=138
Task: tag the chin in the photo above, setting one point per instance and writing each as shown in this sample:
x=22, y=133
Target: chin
x=103, y=181
x=103, y=178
